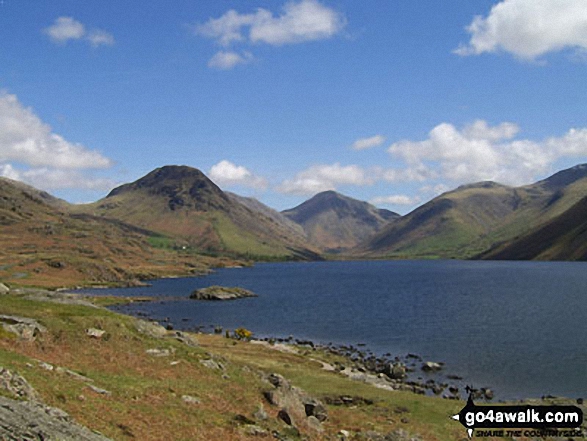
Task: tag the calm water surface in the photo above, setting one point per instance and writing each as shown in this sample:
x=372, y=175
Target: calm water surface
x=518, y=327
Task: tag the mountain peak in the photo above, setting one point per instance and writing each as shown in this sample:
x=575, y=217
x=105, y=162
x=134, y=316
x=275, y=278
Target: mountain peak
x=336, y=222
x=564, y=177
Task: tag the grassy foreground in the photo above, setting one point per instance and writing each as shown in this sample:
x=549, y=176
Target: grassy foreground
x=144, y=395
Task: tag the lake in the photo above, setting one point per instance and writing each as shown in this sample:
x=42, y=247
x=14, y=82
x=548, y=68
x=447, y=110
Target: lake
x=518, y=327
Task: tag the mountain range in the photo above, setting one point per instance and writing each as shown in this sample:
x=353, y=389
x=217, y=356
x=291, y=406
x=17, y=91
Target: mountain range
x=175, y=220
x=338, y=223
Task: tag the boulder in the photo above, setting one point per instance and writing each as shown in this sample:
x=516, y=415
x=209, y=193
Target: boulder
x=151, y=329
x=395, y=371
x=297, y=409
x=4, y=289
x=221, y=293
x=25, y=328
x=95, y=333
x=431, y=366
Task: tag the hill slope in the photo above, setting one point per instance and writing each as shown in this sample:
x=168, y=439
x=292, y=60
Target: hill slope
x=335, y=222
x=44, y=244
x=562, y=238
x=473, y=218
x=190, y=210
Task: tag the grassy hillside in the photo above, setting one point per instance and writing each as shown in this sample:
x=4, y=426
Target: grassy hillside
x=144, y=395
x=471, y=219
x=183, y=204
x=44, y=244
x=562, y=238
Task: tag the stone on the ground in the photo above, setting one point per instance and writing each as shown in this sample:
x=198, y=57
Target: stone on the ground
x=25, y=328
x=221, y=293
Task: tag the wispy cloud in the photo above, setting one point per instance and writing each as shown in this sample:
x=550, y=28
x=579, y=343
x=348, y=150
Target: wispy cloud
x=225, y=60
x=529, y=28
x=398, y=199
x=65, y=29
x=300, y=21
x=367, y=143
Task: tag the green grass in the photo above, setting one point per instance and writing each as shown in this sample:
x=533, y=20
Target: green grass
x=146, y=391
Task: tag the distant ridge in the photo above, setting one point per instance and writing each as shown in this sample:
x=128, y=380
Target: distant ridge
x=468, y=221
x=336, y=222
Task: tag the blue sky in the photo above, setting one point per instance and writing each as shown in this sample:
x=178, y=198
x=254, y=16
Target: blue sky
x=388, y=101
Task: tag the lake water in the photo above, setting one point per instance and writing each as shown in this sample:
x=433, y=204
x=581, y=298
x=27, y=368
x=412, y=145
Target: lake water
x=518, y=327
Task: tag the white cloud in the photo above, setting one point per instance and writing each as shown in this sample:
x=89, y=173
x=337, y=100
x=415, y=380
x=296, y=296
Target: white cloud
x=225, y=173
x=225, y=60
x=26, y=139
x=367, y=143
x=67, y=28
x=434, y=190
x=529, y=28
x=301, y=21
x=98, y=37
x=56, y=179
x=306, y=20
x=480, y=152
x=8, y=171
x=398, y=199
x=320, y=178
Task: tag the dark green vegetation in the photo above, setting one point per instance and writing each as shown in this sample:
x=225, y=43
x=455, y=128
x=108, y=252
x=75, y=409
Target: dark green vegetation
x=337, y=223
x=474, y=218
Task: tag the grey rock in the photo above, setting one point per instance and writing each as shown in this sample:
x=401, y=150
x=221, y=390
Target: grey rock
x=221, y=293
x=186, y=339
x=4, y=289
x=395, y=371
x=99, y=390
x=25, y=328
x=314, y=424
x=254, y=430
x=212, y=364
x=431, y=366
x=17, y=385
x=34, y=421
x=158, y=352
x=260, y=414
x=190, y=400
x=151, y=329
x=95, y=333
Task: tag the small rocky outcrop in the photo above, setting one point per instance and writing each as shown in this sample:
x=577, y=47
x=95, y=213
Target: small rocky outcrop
x=395, y=371
x=26, y=420
x=25, y=328
x=431, y=366
x=151, y=329
x=221, y=293
x=31, y=419
x=4, y=289
x=17, y=385
x=296, y=408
